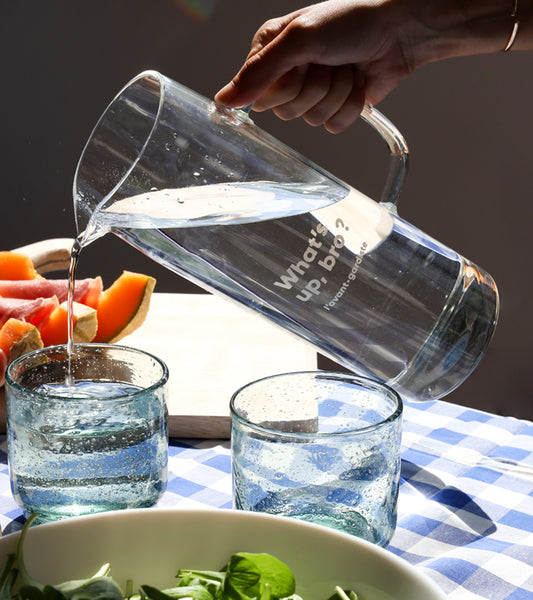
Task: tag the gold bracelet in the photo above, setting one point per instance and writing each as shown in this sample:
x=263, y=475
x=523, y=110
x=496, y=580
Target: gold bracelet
x=516, y=22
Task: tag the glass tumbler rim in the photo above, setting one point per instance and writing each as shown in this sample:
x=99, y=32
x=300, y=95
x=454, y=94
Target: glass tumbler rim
x=162, y=380
x=361, y=380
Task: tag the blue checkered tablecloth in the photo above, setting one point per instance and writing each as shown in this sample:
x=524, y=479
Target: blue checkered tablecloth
x=466, y=497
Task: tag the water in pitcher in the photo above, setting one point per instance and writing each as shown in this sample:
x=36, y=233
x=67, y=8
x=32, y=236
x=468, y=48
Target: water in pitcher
x=341, y=271
x=200, y=206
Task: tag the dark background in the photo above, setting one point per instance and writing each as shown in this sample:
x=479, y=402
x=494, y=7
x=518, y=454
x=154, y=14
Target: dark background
x=467, y=122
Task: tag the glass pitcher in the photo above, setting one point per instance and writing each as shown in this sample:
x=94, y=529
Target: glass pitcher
x=205, y=192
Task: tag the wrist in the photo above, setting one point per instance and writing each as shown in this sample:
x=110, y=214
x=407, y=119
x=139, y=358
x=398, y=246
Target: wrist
x=448, y=28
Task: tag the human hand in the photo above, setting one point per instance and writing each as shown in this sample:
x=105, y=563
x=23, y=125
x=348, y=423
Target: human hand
x=324, y=62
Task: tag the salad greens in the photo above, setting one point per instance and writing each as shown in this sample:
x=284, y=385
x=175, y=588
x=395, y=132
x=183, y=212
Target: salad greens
x=247, y=576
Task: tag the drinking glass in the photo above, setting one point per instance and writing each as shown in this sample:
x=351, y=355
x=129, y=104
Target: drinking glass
x=88, y=432
x=321, y=447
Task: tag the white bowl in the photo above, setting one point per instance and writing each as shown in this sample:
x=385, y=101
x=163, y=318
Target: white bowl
x=148, y=546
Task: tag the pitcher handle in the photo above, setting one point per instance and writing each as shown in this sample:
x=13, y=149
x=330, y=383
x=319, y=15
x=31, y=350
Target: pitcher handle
x=398, y=148
x=399, y=155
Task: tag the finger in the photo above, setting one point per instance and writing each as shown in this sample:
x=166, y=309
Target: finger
x=352, y=107
x=264, y=68
x=284, y=90
x=341, y=82
x=314, y=85
x=267, y=32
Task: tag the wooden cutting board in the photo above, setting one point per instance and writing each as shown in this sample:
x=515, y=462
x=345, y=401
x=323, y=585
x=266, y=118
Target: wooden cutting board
x=211, y=347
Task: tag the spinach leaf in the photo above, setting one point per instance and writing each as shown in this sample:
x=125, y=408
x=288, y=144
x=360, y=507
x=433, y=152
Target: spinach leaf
x=242, y=579
x=341, y=594
x=150, y=593
x=31, y=592
x=7, y=577
x=97, y=587
x=274, y=575
x=247, y=576
x=211, y=581
x=24, y=575
x=196, y=592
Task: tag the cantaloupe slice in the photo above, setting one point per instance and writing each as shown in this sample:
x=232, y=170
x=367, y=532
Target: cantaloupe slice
x=94, y=291
x=18, y=337
x=16, y=265
x=54, y=330
x=123, y=306
x=31, y=340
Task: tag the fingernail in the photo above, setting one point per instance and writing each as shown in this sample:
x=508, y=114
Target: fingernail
x=224, y=91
